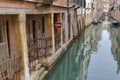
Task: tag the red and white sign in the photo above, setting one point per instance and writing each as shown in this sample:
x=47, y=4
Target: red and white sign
x=58, y=25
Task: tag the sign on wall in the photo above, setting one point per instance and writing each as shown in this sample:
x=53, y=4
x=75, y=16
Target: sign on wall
x=58, y=24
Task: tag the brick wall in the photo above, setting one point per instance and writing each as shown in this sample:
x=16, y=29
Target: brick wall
x=60, y=2
x=16, y=4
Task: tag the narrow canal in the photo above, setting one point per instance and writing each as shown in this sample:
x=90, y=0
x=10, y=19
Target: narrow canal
x=95, y=55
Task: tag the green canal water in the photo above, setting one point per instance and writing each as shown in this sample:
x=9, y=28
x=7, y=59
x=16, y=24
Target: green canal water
x=94, y=55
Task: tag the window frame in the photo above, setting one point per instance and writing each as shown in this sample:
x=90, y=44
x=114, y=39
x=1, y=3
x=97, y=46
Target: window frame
x=2, y=32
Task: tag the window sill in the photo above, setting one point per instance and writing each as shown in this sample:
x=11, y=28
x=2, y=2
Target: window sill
x=2, y=43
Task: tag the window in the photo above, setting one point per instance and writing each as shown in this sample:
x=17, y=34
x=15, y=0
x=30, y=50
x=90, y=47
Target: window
x=119, y=8
x=34, y=28
x=43, y=24
x=1, y=32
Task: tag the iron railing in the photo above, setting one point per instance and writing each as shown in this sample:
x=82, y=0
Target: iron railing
x=32, y=53
x=37, y=49
x=43, y=47
x=57, y=41
x=10, y=68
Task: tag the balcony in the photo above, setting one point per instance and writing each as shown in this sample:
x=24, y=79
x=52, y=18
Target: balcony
x=10, y=68
x=41, y=1
x=37, y=49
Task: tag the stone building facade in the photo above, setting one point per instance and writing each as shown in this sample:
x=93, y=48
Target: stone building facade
x=34, y=33
x=29, y=31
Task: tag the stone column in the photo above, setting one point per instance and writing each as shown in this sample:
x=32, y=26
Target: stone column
x=71, y=24
x=61, y=30
x=53, y=35
x=19, y=22
x=66, y=26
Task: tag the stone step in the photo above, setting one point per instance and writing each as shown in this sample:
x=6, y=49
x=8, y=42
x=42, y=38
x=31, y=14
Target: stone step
x=35, y=74
x=44, y=74
x=38, y=66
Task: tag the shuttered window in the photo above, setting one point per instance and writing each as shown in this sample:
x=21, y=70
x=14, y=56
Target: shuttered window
x=119, y=8
x=1, y=32
x=82, y=3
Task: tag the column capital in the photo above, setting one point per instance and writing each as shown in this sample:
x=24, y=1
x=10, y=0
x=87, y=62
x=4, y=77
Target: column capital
x=22, y=17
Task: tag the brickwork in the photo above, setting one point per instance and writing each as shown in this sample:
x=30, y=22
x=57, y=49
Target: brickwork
x=115, y=15
x=60, y=3
x=16, y=4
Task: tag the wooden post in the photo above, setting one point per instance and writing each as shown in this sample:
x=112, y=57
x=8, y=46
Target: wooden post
x=21, y=43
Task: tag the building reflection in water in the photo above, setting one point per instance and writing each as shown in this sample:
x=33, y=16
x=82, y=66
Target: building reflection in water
x=115, y=39
x=77, y=62
x=74, y=65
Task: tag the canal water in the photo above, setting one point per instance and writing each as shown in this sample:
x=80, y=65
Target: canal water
x=94, y=55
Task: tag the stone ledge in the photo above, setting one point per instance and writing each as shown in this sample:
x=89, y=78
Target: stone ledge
x=42, y=77
x=35, y=74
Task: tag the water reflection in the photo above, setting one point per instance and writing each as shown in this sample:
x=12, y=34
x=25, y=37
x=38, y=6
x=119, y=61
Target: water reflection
x=95, y=55
x=115, y=39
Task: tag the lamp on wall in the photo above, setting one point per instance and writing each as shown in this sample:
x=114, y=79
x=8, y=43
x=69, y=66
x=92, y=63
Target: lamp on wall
x=87, y=8
x=71, y=5
x=77, y=6
x=74, y=6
